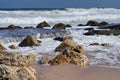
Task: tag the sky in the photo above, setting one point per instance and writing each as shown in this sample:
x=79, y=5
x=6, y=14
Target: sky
x=59, y=3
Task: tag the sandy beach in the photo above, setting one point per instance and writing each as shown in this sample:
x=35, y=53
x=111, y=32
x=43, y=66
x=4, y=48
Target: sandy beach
x=73, y=72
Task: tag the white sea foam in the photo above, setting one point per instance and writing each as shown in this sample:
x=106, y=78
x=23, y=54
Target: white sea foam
x=70, y=15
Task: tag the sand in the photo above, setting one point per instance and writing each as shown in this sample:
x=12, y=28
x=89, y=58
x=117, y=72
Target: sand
x=73, y=72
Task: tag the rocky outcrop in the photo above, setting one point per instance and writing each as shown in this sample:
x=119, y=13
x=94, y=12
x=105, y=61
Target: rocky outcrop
x=43, y=24
x=30, y=40
x=103, y=23
x=71, y=52
x=14, y=66
x=13, y=47
x=2, y=47
x=59, y=26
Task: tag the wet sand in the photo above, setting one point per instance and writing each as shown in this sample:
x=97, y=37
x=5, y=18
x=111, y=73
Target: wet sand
x=73, y=72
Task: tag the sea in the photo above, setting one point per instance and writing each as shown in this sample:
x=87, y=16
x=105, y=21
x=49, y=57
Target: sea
x=98, y=55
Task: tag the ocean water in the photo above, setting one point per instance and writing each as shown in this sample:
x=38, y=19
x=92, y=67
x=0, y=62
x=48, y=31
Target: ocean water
x=73, y=16
x=99, y=55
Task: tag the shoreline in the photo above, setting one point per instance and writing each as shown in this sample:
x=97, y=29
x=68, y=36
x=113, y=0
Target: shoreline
x=73, y=72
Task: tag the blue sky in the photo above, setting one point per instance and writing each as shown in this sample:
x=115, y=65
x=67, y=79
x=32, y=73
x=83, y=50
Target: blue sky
x=59, y=3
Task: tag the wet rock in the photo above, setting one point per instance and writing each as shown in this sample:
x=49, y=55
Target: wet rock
x=44, y=60
x=62, y=38
x=30, y=40
x=12, y=26
x=2, y=47
x=59, y=26
x=92, y=23
x=94, y=44
x=103, y=23
x=68, y=25
x=106, y=44
x=81, y=25
x=30, y=27
x=13, y=47
x=43, y=24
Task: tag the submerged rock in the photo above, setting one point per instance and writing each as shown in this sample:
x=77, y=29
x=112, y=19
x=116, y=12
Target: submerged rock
x=30, y=40
x=71, y=52
x=62, y=38
x=43, y=24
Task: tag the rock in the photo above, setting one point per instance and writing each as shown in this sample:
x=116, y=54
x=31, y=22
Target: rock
x=15, y=59
x=106, y=45
x=14, y=66
x=30, y=40
x=59, y=26
x=71, y=52
x=103, y=23
x=31, y=57
x=94, y=44
x=62, y=38
x=92, y=23
x=81, y=25
x=29, y=27
x=13, y=47
x=68, y=43
x=59, y=59
x=68, y=25
x=70, y=55
x=44, y=59
x=43, y=24
x=14, y=27
x=17, y=73
x=2, y=47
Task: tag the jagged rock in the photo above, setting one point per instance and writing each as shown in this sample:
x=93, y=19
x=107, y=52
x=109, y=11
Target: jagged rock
x=15, y=59
x=13, y=46
x=59, y=59
x=71, y=52
x=103, y=23
x=94, y=44
x=44, y=60
x=59, y=26
x=2, y=47
x=43, y=24
x=92, y=23
x=17, y=73
x=30, y=40
x=69, y=43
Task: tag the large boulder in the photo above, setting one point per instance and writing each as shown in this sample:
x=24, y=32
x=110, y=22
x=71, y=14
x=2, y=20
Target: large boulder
x=14, y=66
x=30, y=40
x=92, y=23
x=43, y=24
x=2, y=47
x=71, y=52
x=59, y=26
